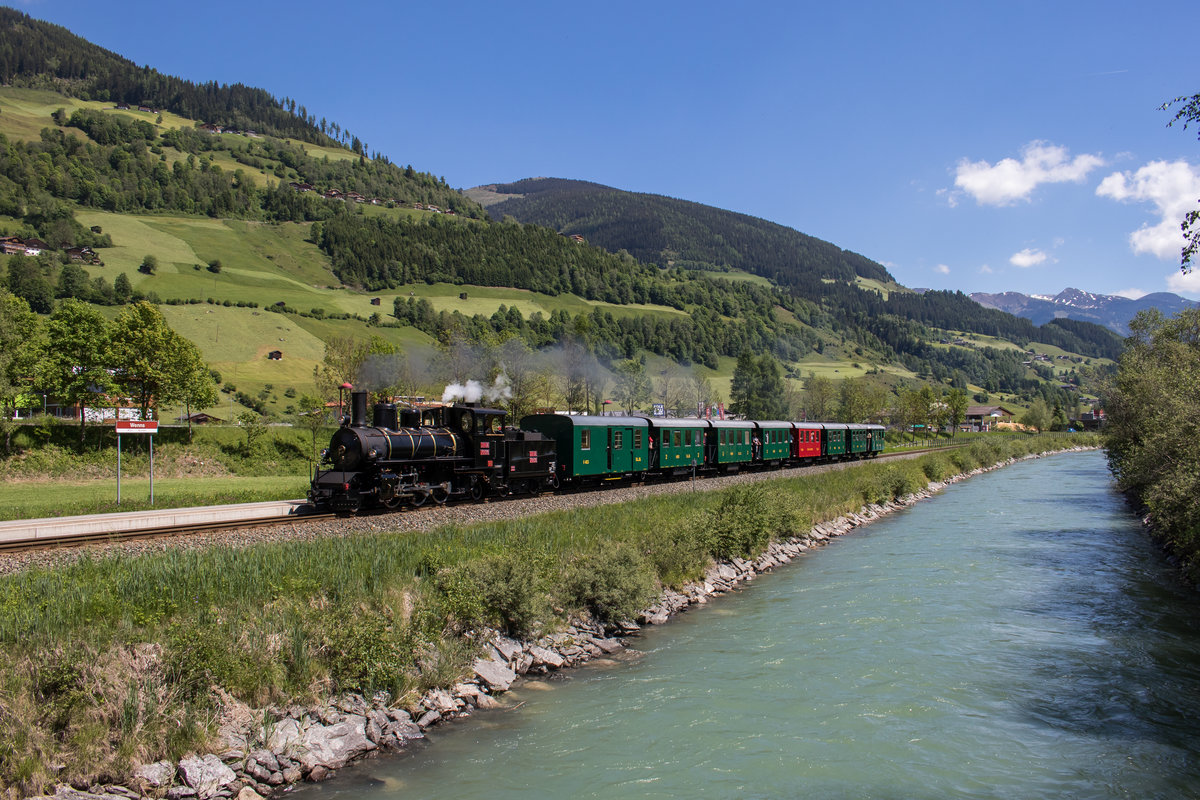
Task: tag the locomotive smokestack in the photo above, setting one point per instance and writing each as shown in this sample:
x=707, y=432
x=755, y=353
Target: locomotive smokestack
x=358, y=409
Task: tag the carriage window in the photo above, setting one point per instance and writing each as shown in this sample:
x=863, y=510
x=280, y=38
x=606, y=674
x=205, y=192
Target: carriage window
x=745, y=437
x=722, y=437
x=677, y=440
x=637, y=440
x=697, y=442
x=617, y=437
x=585, y=439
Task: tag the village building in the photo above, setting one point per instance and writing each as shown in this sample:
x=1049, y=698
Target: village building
x=985, y=418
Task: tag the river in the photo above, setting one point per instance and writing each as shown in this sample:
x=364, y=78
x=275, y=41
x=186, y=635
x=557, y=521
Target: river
x=1016, y=636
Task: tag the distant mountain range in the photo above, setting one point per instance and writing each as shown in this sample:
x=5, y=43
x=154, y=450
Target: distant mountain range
x=1112, y=311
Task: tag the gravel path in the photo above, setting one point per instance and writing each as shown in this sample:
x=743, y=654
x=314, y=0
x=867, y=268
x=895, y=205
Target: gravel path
x=422, y=519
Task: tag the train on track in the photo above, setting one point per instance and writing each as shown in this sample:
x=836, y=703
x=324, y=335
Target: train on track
x=407, y=457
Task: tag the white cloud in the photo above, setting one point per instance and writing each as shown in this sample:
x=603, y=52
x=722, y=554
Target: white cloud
x=1173, y=187
x=1009, y=180
x=1132, y=294
x=1187, y=285
x=942, y=268
x=985, y=270
x=1027, y=258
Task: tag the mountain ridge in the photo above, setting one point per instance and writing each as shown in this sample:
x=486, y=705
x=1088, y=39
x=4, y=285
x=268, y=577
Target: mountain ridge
x=672, y=232
x=1112, y=311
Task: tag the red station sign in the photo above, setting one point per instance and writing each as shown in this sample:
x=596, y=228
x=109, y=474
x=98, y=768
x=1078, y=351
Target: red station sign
x=137, y=426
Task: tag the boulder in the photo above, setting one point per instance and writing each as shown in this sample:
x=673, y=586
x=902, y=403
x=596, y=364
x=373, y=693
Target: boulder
x=154, y=776
x=439, y=700
x=547, y=657
x=497, y=676
x=248, y=794
x=403, y=731
x=265, y=758
x=486, y=702
x=508, y=648
x=257, y=771
x=206, y=774
x=333, y=746
x=283, y=735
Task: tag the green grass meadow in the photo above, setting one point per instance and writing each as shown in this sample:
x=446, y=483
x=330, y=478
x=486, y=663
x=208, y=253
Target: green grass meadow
x=42, y=499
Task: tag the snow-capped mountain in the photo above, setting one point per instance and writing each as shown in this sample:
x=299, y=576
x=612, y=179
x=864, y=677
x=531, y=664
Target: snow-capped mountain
x=1112, y=311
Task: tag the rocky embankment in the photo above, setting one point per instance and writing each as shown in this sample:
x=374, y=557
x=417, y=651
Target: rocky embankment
x=262, y=751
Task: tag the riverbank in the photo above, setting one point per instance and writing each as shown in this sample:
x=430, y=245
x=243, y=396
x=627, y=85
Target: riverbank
x=598, y=575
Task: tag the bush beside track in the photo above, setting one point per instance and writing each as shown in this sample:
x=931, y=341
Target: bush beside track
x=113, y=661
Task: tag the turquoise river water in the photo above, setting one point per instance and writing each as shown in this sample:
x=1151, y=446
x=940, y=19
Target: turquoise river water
x=1015, y=637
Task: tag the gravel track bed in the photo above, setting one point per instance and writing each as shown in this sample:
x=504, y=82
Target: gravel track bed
x=423, y=519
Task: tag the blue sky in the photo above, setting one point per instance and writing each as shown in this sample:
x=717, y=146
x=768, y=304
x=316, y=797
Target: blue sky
x=980, y=146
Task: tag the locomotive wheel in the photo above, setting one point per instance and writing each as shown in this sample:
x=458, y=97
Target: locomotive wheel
x=392, y=502
x=479, y=489
x=418, y=499
x=439, y=495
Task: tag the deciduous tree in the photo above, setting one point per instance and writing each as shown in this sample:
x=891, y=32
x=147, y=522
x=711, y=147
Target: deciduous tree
x=21, y=342
x=75, y=367
x=145, y=352
x=1189, y=112
x=1152, y=431
x=632, y=389
x=819, y=397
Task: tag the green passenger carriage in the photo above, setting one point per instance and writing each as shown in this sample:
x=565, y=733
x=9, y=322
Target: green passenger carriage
x=733, y=442
x=678, y=444
x=595, y=447
x=859, y=439
x=877, y=442
x=776, y=440
x=835, y=436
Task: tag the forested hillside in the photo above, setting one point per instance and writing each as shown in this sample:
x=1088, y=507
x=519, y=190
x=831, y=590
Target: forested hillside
x=41, y=55
x=669, y=232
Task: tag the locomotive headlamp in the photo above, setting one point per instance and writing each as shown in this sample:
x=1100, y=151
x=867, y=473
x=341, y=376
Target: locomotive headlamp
x=372, y=453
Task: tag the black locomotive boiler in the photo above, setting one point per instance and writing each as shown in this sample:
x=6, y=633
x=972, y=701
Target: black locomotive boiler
x=410, y=456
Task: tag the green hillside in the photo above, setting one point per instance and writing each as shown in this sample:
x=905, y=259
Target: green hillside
x=671, y=232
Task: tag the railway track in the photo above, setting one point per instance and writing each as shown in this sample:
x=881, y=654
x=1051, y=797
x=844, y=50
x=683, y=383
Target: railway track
x=68, y=532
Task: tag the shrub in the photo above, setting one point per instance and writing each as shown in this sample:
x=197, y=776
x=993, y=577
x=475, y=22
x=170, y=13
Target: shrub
x=509, y=586
x=741, y=524
x=197, y=656
x=613, y=581
x=460, y=598
x=678, y=555
x=936, y=467
x=499, y=589
x=368, y=651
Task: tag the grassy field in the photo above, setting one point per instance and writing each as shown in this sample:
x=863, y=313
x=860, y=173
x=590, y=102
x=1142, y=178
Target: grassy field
x=37, y=499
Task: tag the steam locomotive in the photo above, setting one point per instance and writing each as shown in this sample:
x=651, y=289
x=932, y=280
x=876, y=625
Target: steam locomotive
x=411, y=456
